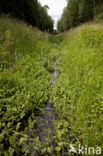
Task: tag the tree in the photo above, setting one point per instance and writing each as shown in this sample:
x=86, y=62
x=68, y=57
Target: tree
x=29, y=10
x=79, y=11
x=86, y=10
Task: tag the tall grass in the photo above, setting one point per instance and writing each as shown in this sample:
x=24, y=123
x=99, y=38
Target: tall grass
x=78, y=93
x=26, y=65
x=24, y=83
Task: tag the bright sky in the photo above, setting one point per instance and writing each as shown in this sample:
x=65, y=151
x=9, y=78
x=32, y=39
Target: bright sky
x=56, y=8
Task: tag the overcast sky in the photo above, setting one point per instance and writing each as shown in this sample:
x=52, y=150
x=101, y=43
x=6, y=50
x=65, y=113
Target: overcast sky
x=56, y=8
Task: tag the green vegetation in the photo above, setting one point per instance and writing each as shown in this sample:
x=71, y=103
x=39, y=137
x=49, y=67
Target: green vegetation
x=24, y=82
x=27, y=58
x=30, y=11
x=80, y=11
x=78, y=92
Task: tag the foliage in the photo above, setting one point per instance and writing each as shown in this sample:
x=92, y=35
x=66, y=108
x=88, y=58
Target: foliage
x=79, y=11
x=99, y=13
x=27, y=58
x=24, y=83
x=78, y=92
x=30, y=11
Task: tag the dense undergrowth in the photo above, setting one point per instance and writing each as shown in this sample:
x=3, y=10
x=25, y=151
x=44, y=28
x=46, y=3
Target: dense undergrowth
x=26, y=66
x=78, y=92
x=24, y=83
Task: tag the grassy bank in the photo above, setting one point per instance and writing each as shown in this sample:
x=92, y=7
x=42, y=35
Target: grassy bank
x=78, y=92
x=24, y=83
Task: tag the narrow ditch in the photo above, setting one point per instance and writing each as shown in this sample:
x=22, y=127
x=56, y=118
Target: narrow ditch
x=45, y=128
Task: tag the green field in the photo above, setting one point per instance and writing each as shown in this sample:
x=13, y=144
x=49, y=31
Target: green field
x=27, y=58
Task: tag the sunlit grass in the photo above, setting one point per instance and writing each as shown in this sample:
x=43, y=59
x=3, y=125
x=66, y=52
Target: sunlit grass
x=24, y=82
x=78, y=93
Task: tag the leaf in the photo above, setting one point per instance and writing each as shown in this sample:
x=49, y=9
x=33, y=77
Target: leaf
x=11, y=151
x=58, y=149
x=22, y=140
x=18, y=126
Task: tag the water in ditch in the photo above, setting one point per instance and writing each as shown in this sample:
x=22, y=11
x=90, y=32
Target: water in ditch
x=45, y=129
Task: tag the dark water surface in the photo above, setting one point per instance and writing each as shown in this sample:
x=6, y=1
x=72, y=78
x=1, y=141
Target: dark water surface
x=45, y=129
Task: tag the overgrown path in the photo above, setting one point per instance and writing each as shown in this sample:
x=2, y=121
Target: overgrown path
x=45, y=130
x=32, y=91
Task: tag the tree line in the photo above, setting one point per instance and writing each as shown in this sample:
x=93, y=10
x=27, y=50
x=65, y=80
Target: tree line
x=80, y=11
x=30, y=11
